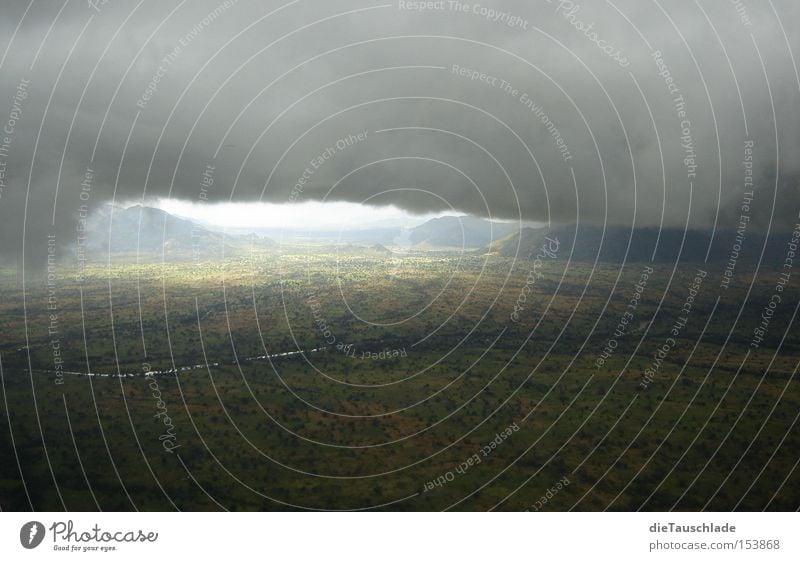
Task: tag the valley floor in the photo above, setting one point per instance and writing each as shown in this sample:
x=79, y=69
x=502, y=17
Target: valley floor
x=339, y=380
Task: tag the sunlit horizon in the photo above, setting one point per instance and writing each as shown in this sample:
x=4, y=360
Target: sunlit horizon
x=314, y=215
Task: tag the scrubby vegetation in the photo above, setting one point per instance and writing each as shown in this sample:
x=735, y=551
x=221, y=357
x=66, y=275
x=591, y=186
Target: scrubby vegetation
x=410, y=367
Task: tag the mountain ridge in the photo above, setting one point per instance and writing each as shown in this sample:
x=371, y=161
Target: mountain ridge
x=146, y=230
x=616, y=244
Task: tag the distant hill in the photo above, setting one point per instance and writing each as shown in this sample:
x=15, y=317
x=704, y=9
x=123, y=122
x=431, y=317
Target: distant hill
x=446, y=232
x=382, y=249
x=151, y=231
x=459, y=231
x=616, y=244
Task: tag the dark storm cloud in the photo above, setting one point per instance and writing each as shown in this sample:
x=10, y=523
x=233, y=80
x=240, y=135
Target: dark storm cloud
x=488, y=108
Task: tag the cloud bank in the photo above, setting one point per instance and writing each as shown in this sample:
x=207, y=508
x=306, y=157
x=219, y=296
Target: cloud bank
x=630, y=113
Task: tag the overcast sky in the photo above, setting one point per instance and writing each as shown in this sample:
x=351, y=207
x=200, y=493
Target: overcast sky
x=624, y=112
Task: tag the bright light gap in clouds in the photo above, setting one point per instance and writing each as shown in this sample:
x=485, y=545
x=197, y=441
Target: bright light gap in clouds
x=310, y=215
